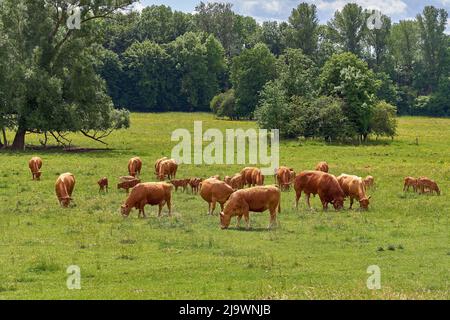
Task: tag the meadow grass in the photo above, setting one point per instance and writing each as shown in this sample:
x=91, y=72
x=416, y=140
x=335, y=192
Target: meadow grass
x=312, y=255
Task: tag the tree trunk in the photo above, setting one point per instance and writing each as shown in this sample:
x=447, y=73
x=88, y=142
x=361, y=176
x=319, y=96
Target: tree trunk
x=19, y=140
x=5, y=139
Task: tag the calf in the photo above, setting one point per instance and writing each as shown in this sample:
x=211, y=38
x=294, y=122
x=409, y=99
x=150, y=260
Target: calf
x=35, y=165
x=183, y=183
x=159, y=193
x=410, y=182
x=354, y=188
x=321, y=183
x=426, y=183
x=103, y=184
x=256, y=199
x=213, y=191
x=127, y=183
x=322, y=166
x=195, y=184
x=134, y=166
x=64, y=188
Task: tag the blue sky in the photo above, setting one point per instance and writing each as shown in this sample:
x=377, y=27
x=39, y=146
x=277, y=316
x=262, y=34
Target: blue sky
x=279, y=10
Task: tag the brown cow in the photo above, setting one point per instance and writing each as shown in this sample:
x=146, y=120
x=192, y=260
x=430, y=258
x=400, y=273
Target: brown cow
x=213, y=191
x=135, y=166
x=354, y=188
x=256, y=199
x=322, y=166
x=237, y=182
x=158, y=163
x=426, y=183
x=168, y=168
x=283, y=176
x=195, y=184
x=369, y=182
x=257, y=178
x=159, y=193
x=410, y=182
x=246, y=174
x=103, y=184
x=64, y=188
x=217, y=177
x=321, y=183
x=35, y=165
x=181, y=183
x=127, y=183
x=227, y=180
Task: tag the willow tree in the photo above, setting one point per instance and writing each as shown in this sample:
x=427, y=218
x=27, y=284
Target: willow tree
x=52, y=45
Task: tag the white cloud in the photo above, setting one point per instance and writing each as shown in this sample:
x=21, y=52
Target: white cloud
x=388, y=7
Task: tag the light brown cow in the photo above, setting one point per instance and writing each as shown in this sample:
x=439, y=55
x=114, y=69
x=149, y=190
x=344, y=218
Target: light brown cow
x=64, y=188
x=168, y=168
x=257, y=177
x=158, y=163
x=425, y=183
x=246, y=174
x=159, y=193
x=256, y=199
x=321, y=183
x=322, y=166
x=283, y=176
x=127, y=183
x=354, y=188
x=195, y=184
x=410, y=182
x=213, y=191
x=35, y=165
x=237, y=182
x=103, y=184
x=369, y=182
x=134, y=166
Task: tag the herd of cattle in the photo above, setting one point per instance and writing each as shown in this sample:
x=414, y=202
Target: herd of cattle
x=237, y=195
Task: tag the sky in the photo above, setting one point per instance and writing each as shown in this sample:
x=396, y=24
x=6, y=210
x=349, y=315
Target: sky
x=280, y=10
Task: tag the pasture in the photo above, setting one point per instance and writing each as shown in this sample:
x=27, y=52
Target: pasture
x=312, y=255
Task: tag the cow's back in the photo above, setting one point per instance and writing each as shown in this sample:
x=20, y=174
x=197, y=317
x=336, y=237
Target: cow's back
x=308, y=181
x=260, y=198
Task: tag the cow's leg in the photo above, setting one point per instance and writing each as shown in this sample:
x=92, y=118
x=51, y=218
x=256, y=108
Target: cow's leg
x=308, y=196
x=298, y=194
x=351, y=203
x=273, y=217
x=238, y=224
x=169, y=206
x=213, y=206
x=247, y=219
x=221, y=206
x=160, y=207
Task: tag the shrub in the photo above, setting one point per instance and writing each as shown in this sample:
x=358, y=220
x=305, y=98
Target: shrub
x=383, y=121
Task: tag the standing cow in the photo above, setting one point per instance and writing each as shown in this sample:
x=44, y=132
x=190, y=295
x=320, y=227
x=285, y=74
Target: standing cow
x=103, y=184
x=64, y=188
x=425, y=183
x=168, y=168
x=159, y=193
x=321, y=183
x=410, y=182
x=322, y=166
x=35, y=165
x=256, y=199
x=247, y=174
x=213, y=191
x=134, y=166
x=158, y=163
x=283, y=178
x=354, y=188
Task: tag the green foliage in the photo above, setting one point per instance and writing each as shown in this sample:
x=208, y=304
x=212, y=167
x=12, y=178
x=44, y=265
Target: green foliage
x=224, y=105
x=250, y=71
x=303, y=29
x=384, y=122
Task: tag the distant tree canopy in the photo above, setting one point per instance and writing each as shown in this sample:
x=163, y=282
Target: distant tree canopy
x=54, y=80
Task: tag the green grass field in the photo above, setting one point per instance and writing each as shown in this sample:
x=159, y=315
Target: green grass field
x=312, y=255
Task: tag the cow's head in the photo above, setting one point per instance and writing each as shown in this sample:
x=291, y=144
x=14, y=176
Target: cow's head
x=65, y=202
x=224, y=220
x=338, y=204
x=38, y=175
x=125, y=210
x=364, y=203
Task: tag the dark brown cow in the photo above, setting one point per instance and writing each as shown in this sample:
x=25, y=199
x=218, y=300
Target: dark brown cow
x=256, y=199
x=321, y=183
x=410, y=182
x=35, y=165
x=425, y=183
x=64, y=188
x=180, y=183
x=134, y=166
x=322, y=166
x=213, y=191
x=159, y=193
x=103, y=184
x=127, y=183
x=195, y=184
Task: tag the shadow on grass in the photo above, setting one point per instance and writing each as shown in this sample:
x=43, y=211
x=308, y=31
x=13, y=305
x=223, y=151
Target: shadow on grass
x=260, y=229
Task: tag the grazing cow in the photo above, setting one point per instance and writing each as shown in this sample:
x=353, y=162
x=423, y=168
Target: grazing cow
x=322, y=166
x=256, y=199
x=134, y=166
x=426, y=183
x=369, y=182
x=237, y=182
x=246, y=174
x=321, y=183
x=283, y=176
x=64, y=188
x=103, y=184
x=159, y=193
x=158, y=163
x=168, y=168
x=35, y=165
x=354, y=188
x=227, y=180
x=127, y=183
x=183, y=183
x=213, y=191
x=195, y=184
x=410, y=182
x=257, y=178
